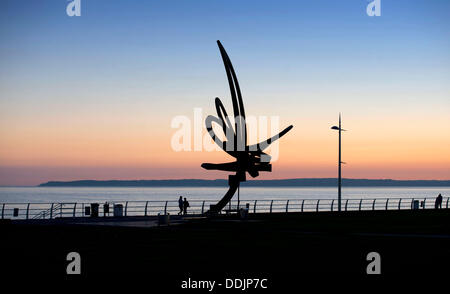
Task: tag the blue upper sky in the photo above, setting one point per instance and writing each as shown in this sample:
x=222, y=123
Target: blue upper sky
x=288, y=42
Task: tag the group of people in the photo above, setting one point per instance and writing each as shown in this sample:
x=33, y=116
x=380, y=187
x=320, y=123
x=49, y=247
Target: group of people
x=183, y=205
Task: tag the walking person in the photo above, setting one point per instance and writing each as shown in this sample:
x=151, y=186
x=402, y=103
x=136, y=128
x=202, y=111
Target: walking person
x=185, y=206
x=181, y=205
x=438, y=202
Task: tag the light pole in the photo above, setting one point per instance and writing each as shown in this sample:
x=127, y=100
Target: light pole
x=339, y=162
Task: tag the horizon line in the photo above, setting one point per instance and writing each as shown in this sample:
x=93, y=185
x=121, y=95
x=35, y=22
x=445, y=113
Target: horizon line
x=219, y=179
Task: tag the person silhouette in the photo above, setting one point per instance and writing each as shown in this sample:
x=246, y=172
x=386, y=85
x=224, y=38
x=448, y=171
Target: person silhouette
x=438, y=202
x=185, y=205
x=180, y=205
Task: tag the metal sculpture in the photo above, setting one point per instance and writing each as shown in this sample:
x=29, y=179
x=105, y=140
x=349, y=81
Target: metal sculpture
x=249, y=159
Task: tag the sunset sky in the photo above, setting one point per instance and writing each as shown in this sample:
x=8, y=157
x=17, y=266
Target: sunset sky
x=93, y=97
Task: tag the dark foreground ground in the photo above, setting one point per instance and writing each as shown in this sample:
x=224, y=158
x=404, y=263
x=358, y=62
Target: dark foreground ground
x=290, y=250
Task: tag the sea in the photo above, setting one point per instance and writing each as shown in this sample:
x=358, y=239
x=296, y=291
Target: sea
x=114, y=194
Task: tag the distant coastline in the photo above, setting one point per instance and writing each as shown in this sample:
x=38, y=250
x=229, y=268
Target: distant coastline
x=302, y=182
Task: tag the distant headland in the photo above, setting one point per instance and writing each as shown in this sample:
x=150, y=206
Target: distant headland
x=303, y=182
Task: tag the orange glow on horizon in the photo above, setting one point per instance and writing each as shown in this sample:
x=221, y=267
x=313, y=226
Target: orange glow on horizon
x=137, y=146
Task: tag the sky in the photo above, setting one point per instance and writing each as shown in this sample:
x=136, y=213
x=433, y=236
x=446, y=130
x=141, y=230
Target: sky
x=94, y=96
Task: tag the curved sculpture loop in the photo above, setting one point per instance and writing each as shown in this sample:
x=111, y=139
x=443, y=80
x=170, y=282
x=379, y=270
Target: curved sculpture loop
x=249, y=159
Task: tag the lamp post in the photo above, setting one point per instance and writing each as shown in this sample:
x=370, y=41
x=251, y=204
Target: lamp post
x=339, y=162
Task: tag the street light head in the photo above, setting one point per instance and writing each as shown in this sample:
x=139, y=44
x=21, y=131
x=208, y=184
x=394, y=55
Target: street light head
x=335, y=128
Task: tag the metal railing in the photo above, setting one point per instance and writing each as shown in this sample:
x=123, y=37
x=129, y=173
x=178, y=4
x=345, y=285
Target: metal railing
x=152, y=208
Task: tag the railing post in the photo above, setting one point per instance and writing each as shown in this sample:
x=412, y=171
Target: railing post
x=126, y=208
x=424, y=204
x=387, y=202
x=445, y=206
x=165, y=208
x=3, y=209
x=412, y=201
x=60, y=210
x=317, y=206
x=254, y=206
x=271, y=204
x=346, y=202
x=373, y=204
x=51, y=211
x=303, y=203
x=74, y=209
x=287, y=206
x=146, y=205
x=332, y=204
x=399, y=203
x=360, y=202
x=203, y=206
x=28, y=209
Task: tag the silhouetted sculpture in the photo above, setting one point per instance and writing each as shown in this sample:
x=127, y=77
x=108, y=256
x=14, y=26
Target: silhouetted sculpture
x=249, y=159
x=438, y=202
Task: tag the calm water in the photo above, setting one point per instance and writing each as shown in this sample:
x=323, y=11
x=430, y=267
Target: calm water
x=37, y=194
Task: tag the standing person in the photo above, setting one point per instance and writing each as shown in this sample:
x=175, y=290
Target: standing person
x=185, y=205
x=180, y=205
x=105, y=209
x=438, y=202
